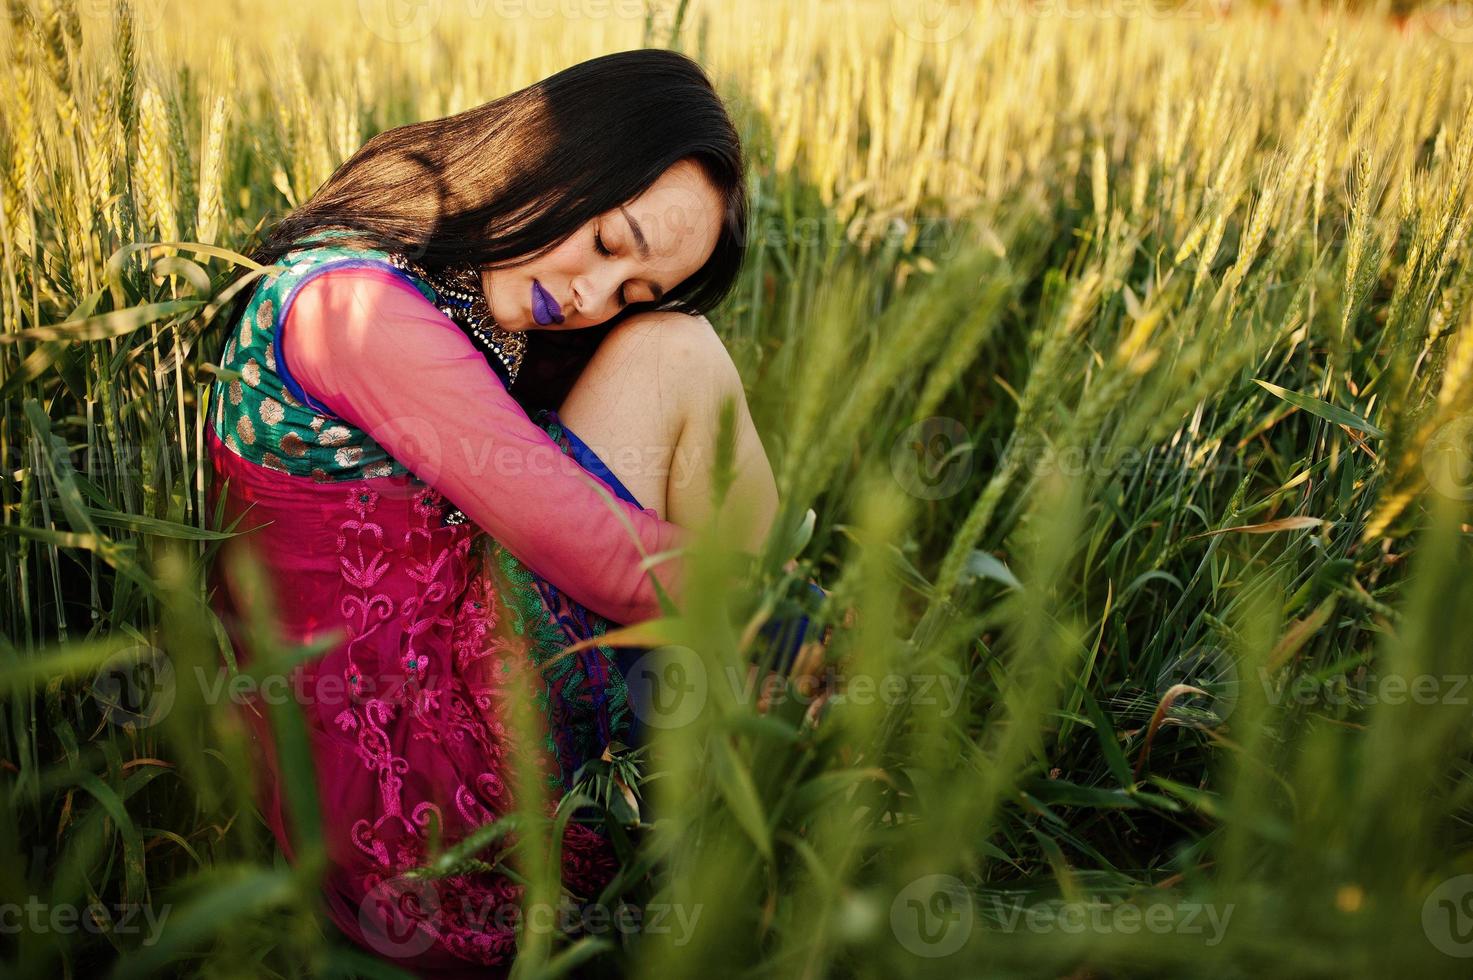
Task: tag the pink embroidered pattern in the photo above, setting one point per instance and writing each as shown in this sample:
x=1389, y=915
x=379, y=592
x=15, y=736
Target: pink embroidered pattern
x=451, y=608
x=363, y=610
x=416, y=756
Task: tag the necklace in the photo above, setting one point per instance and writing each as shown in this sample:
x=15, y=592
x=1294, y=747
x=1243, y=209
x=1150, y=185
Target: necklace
x=460, y=297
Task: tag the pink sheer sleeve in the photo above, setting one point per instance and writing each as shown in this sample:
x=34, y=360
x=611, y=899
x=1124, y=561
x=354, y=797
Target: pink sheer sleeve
x=368, y=345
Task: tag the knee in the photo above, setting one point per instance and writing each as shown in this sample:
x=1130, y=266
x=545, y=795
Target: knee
x=682, y=348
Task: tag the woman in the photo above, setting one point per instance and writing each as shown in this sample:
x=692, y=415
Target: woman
x=559, y=243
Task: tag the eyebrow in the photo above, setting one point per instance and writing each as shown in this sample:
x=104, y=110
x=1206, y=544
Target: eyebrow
x=644, y=249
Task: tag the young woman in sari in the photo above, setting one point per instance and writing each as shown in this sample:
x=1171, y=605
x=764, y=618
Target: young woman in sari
x=550, y=252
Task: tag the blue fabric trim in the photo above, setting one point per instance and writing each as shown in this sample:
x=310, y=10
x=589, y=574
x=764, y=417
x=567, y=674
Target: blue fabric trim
x=282, y=371
x=787, y=635
x=624, y=657
x=784, y=635
x=589, y=460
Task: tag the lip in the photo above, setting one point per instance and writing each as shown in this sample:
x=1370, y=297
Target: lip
x=545, y=309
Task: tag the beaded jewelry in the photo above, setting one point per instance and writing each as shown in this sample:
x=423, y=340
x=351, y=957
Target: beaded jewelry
x=460, y=297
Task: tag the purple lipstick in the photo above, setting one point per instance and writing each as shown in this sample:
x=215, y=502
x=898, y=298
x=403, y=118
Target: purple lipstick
x=545, y=309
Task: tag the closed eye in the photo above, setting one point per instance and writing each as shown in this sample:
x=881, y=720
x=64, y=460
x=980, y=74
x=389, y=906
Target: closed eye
x=598, y=243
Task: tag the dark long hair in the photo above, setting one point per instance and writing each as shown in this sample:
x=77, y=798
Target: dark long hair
x=512, y=178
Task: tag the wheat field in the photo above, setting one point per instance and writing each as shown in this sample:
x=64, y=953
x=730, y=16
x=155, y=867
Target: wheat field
x=1115, y=361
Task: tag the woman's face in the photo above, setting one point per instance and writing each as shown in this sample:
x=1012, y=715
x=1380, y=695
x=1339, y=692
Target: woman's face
x=632, y=254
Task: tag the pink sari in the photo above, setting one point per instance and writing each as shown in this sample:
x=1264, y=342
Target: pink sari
x=359, y=476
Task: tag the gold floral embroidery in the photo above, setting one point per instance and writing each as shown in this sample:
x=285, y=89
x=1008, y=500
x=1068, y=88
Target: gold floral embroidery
x=270, y=356
x=319, y=474
x=292, y=445
x=245, y=332
x=266, y=315
x=377, y=469
x=246, y=429
x=251, y=373
x=333, y=436
x=317, y=422
x=273, y=461
x=349, y=456
x=272, y=411
x=236, y=392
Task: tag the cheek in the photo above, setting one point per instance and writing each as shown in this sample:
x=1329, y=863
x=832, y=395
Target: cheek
x=579, y=261
x=569, y=258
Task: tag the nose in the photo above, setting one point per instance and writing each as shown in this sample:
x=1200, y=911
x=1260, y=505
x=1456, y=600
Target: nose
x=596, y=298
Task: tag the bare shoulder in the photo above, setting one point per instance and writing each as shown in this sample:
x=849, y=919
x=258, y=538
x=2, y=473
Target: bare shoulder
x=667, y=324
x=679, y=338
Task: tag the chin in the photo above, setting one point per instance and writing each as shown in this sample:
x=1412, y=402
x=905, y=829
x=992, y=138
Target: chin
x=508, y=324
